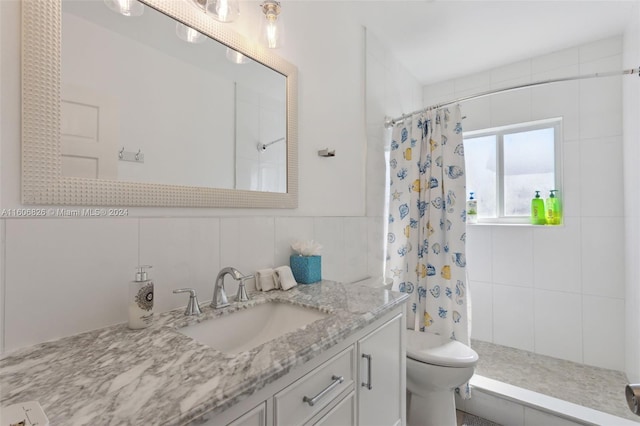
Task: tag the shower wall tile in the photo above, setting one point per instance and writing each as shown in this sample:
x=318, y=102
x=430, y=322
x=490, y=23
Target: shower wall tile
x=604, y=332
x=76, y=271
x=514, y=71
x=511, y=107
x=603, y=256
x=585, y=255
x=555, y=60
x=571, y=187
x=558, y=324
x=556, y=257
x=559, y=100
x=472, y=84
x=597, y=172
x=288, y=230
x=439, y=92
x=512, y=249
x=481, y=296
x=479, y=253
x=601, y=100
x=184, y=252
x=601, y=49
x=513, y=323
x=477, y=113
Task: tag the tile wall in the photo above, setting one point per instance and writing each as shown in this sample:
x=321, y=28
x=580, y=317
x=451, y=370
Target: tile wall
x=557, y=291
x=75, y=271
x=631, y=149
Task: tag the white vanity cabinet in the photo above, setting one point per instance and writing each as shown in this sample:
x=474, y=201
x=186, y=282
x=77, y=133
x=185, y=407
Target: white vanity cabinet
x=381, y=378
x=333, y=389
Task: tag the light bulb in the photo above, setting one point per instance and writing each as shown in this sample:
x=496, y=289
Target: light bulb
x=272, y=35
x=188, y=34
x=125, y=7
x=272, y=27
x=223, y=10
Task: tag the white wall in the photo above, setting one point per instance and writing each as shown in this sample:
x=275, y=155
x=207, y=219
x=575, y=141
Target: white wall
x=631, y=150
x=64, y=276
x=390, y=91
x=557, y=291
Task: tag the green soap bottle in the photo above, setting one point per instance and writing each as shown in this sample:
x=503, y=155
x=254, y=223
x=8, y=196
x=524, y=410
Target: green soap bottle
x=554, y=211
x=537, y=210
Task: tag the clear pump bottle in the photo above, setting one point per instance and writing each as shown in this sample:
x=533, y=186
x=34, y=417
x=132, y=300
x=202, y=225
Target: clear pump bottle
x=141, y=300
x=472, y=209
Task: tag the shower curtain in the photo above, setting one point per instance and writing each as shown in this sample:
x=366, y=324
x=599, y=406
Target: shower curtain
x=427, y=222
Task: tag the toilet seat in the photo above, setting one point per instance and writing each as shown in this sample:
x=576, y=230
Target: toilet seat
x=432, y=349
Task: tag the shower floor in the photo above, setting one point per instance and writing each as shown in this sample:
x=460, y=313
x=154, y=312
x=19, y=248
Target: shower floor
x=592, y=387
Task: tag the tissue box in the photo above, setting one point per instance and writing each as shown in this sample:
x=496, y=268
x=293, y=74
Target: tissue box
x=306, y=269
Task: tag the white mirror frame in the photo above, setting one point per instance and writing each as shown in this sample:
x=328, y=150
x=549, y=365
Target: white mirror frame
x=42, y=180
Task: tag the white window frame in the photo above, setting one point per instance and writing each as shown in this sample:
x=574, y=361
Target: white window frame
x=499, y=133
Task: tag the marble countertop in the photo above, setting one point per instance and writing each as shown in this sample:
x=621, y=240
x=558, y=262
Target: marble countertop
x=158, y=376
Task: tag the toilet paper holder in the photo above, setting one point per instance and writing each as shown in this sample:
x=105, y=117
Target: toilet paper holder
x=632, y=393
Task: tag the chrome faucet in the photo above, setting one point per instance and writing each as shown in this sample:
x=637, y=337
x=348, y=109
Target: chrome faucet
x=220, y=299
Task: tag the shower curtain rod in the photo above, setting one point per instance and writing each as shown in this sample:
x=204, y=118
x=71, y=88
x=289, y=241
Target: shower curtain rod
x=390, y=122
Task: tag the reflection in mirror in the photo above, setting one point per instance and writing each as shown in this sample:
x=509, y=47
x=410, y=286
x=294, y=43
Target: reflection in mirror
x=147, y=99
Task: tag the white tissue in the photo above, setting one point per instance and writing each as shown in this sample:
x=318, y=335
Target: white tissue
x=285, y=277
x=306, y=248
x=265, y=279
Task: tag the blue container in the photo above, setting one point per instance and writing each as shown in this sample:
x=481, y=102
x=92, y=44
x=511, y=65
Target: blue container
x=306, y=269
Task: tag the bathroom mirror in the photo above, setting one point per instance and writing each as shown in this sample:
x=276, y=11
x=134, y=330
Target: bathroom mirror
x=125, y=111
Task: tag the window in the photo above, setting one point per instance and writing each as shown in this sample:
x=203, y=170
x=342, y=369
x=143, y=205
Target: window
x=506, y=165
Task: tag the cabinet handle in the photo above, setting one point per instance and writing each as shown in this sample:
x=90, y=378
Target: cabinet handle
x=312, y=401
x=369, y=359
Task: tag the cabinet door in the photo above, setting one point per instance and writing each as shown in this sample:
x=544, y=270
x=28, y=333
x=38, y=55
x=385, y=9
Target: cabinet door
x=381, y=375
x=342, y=414
x=254, y=417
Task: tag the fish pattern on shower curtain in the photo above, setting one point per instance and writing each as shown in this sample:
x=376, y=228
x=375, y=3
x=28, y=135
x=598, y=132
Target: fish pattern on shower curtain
x=427, y=222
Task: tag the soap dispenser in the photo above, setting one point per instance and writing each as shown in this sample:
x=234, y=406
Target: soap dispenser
x=141, y=300
x=537, y=210
x=472, y=209
x=554, y=211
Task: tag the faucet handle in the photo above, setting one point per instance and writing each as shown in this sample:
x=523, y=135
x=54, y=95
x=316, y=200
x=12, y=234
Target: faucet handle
x=193, y=308
x=242, y=295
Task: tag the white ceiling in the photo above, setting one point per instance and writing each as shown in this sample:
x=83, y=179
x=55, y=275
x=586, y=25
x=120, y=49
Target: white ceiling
x=439, y=40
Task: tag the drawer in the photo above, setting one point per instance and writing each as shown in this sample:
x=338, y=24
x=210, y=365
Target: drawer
x=290, y=406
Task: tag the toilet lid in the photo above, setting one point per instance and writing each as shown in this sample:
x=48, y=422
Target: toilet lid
x=438, y=350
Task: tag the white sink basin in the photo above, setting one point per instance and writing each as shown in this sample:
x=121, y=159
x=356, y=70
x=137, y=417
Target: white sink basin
x=251, y=327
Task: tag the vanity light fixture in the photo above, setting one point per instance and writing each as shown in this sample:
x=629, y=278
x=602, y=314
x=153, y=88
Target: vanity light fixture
x=220, y=10
x=223, y=10
x=188, y=34
x=271, y=28
x=125, y=7
x=236, y=57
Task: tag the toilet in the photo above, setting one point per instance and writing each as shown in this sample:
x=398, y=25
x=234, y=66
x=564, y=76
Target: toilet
x=436, y=366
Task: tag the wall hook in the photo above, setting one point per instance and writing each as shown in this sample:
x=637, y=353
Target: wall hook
x=135, y=157
x=326, y=153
